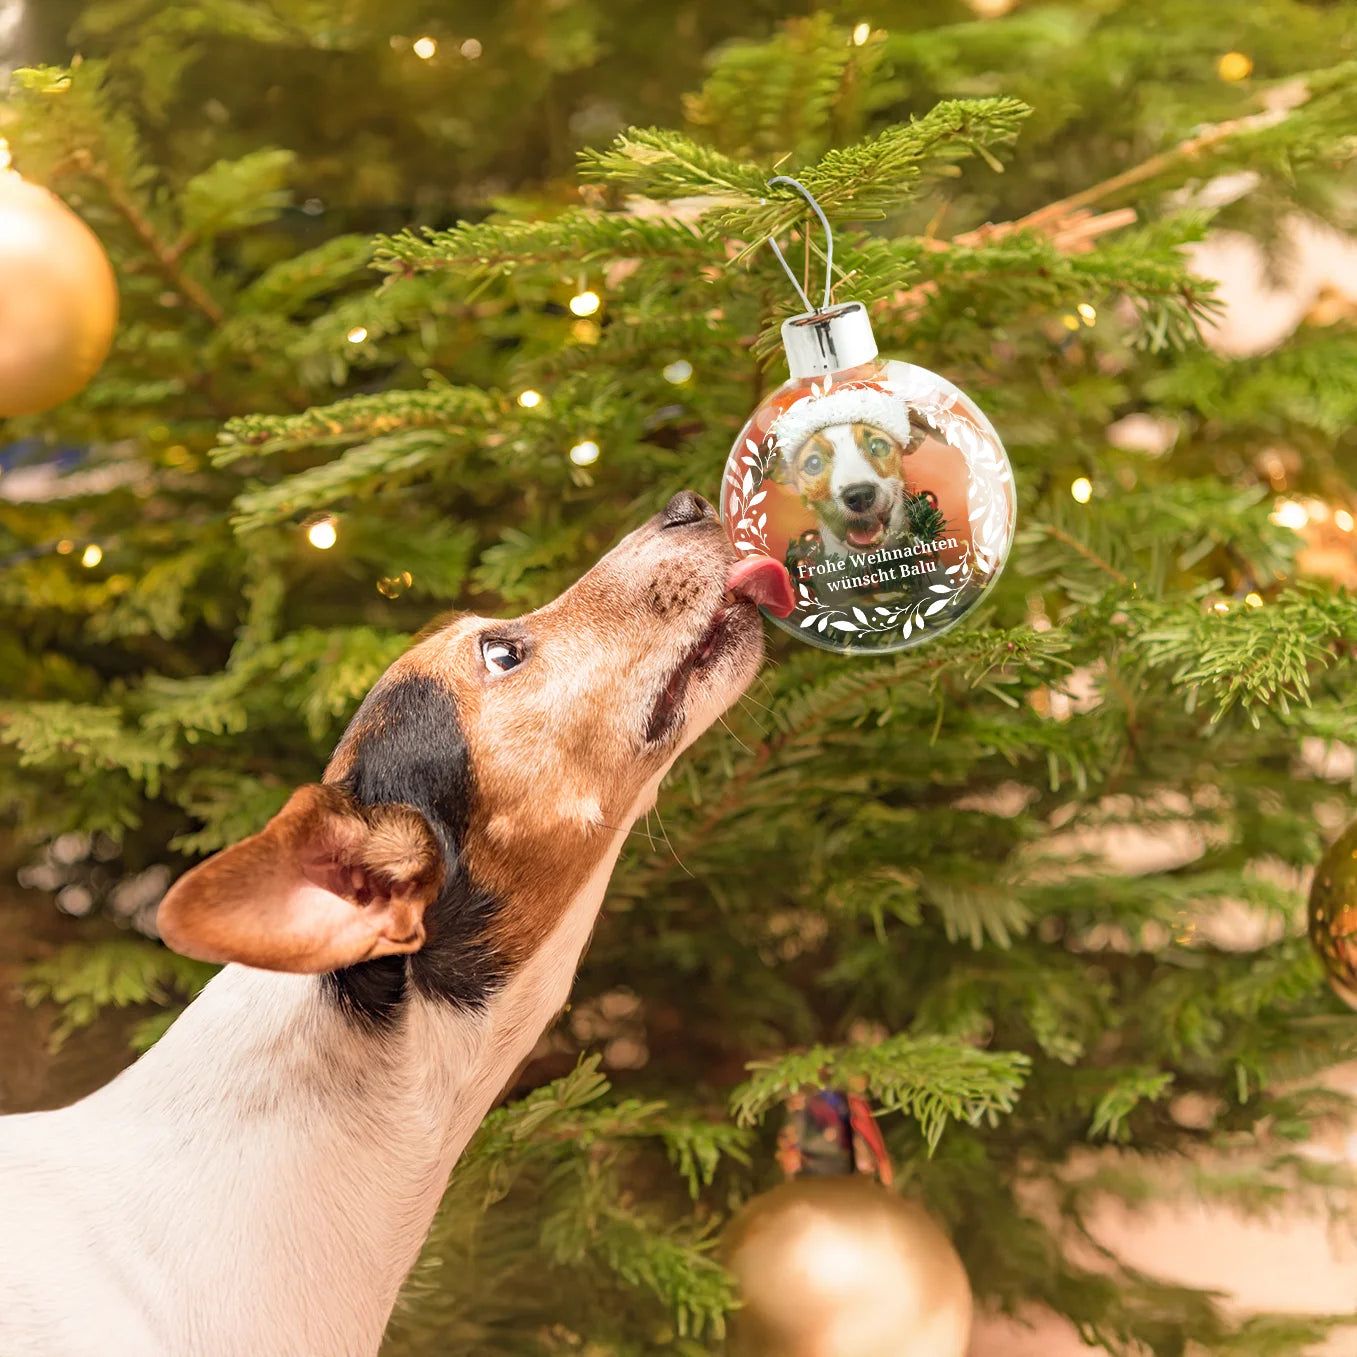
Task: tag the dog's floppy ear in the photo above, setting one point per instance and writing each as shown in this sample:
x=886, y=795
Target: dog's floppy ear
x=324, y=885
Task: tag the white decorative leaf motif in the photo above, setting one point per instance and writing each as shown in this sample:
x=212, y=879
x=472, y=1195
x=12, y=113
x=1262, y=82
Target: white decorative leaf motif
x=934, y=606
x=845, y=626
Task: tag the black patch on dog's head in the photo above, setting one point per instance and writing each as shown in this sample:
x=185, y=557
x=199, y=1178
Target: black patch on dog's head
x=409, y=747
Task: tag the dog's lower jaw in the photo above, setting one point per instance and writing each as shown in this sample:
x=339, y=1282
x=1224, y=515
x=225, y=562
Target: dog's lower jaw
x=262, y=1180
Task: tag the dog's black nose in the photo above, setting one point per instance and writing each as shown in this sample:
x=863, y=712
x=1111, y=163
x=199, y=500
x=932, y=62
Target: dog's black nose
x=858, y=499
x=685, y=508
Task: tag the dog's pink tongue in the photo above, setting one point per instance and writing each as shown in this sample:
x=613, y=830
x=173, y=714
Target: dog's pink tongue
x=765, y=581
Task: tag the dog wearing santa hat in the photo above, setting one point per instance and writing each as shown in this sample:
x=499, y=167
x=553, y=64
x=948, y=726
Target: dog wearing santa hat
x=845, y=454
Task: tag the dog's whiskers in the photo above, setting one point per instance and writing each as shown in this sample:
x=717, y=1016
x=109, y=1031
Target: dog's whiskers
x=672, y=849
x=726, y=726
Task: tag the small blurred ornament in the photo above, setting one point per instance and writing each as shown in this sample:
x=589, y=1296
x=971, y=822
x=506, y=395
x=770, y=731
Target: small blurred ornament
x=1333, y=914
x=879, y=485
x=58, y=298
x=834, y=1263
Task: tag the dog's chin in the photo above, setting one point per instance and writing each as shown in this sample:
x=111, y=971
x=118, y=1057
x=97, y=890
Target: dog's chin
x=707, y=677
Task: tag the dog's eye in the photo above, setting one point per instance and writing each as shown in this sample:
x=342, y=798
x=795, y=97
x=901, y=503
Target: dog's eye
x=813, y=465
x=500, y=656
x=878, y=447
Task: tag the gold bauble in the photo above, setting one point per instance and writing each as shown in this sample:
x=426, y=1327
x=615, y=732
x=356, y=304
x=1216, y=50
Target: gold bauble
x=843, y=1267
x=1333, y=914
x=58, y=298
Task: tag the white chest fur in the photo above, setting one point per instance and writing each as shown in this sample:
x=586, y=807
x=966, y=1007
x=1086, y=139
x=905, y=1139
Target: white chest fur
x=263, y=1179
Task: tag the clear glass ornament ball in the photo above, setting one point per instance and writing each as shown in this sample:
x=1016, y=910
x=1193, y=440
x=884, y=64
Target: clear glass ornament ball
x=886, y=493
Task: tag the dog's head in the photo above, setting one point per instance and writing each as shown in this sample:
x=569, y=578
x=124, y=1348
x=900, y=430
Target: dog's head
x=490, y=770
x=853, y=476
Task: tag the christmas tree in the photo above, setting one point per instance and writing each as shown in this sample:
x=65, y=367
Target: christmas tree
x=418, y=313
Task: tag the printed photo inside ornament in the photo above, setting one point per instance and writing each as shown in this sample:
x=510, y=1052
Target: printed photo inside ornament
x=888, y=497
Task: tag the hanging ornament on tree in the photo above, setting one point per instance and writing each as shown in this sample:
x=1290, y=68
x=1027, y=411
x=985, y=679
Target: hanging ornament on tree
x=1333, y=914
x=834, y=1263
x=58, y=298
x=881, y=486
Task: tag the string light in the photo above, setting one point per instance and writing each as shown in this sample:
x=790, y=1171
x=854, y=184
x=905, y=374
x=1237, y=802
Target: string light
x=584, y=454
x=861, y=33
x=322, y=534
x=1221, y=607
x=1233, y=66
x=1082, y=490
x=1087, y=313
x=1290, y=513
x=357, y=335
x=1343, y=520
x=471, y=49
x=92, y=555
x=65, y=546
x=1254, y=600
x=585, y=303
x=1070, y=322
x=424, y=48
x=678, y=372
x=530, y=400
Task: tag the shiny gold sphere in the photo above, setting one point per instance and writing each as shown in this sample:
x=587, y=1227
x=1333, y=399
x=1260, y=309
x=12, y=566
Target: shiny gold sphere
x=58, y=299
x=843, y=1267
x=1333, y=914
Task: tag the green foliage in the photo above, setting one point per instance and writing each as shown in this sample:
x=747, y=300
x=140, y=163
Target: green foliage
x=930, y=1079
x=983, y=880
x=84, y=980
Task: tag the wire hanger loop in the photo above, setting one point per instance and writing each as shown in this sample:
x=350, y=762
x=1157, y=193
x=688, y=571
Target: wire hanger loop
x=829, y=245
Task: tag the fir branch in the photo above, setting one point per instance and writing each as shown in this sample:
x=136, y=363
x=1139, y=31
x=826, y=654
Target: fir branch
x=1252, y=658
x=1116, y=1105
x=84, y=738
x=927, y=1078
x=438, y=407
x=384, y=461
x=163, y=252
x=577, y=237
x=86, y=979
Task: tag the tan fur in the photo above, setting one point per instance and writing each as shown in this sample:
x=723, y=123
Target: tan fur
x=557, y=749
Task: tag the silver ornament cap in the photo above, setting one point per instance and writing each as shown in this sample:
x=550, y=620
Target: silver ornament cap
x=820, y=342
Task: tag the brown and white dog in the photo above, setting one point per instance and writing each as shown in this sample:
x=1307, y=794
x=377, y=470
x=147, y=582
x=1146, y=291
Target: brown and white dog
x=261, y=1181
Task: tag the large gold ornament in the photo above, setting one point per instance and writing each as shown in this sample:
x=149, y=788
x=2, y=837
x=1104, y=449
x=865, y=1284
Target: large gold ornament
x=58, y=298
x=842, y=1267
x=1333, y=914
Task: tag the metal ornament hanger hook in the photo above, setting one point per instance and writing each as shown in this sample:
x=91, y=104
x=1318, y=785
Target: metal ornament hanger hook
x=829, y=244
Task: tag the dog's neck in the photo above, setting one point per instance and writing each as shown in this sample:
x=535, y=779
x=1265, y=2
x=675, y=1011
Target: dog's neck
x=297, y=1158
